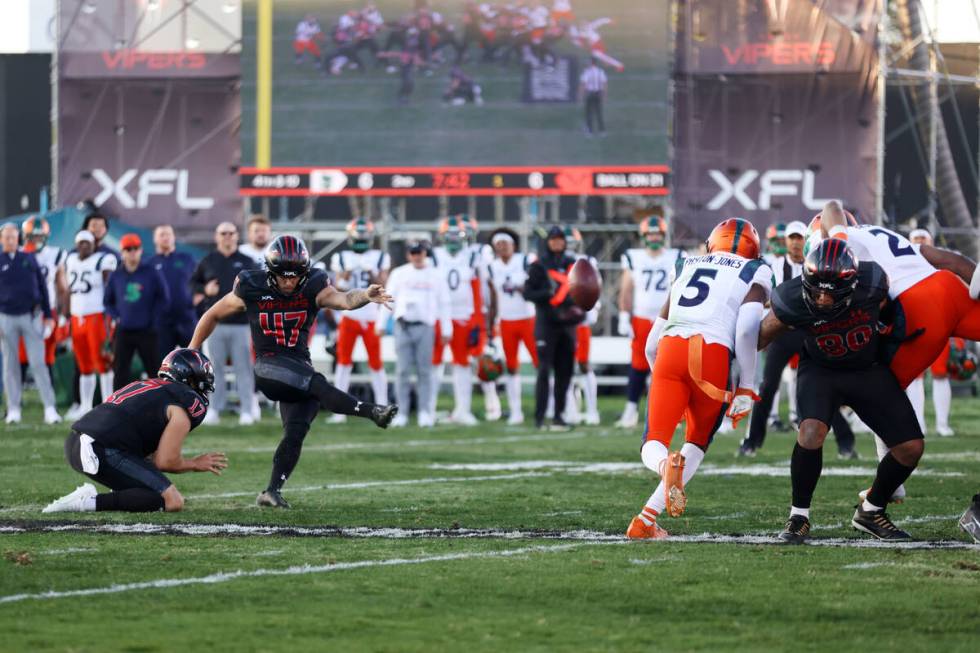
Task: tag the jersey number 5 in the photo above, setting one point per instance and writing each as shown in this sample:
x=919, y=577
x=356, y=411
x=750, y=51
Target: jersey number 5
x=278, y=329
x=696, y=284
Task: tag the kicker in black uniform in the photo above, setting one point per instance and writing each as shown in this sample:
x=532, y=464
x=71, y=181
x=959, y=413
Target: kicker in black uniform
x=838, y=303
x=281, y=303
x=129, y=440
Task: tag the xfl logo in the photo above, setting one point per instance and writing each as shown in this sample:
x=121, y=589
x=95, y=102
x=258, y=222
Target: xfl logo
x=772, y=183
x=161, y=181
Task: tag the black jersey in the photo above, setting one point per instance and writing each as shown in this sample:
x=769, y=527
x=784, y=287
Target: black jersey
x=132, y=419
x=848, y=340
x=280, y=323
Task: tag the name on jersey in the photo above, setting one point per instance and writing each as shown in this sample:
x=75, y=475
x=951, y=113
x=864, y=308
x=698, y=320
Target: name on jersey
x=857, y=317
x=726, y=261
x=284, y=304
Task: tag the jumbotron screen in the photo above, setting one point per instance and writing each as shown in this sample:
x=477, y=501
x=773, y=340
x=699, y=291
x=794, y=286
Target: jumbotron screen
x=430, y=97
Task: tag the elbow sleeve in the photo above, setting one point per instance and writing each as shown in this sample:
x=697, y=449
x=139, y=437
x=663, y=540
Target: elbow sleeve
x=746, y=340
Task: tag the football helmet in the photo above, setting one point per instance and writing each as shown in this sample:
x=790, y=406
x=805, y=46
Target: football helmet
x=962, y=363
x=489, y=366
x=653, y=232
x=452, y=233
x=830, y=268
x=190, y=367
x=734, y=235
x=776, y=238
x=36, y=231
x=287, y=256
x=360, y=234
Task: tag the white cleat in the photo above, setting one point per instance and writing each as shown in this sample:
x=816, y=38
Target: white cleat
x=515, y=419
x=246, y=419
x=426, y=420
x=592, y=419
x=342, y=419
x=13, y=416
x=400, y=421
x=51, y=415
x=493, y=413
x=74, y=502
x=74, y=413
x=945, y=431
x=465, y=419
x=628, y=421
x=211, y=419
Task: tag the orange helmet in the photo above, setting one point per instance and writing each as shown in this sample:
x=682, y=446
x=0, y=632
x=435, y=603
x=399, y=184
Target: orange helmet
x=650, y=228
x=734, y=235
x=36, y=231
x=360, y=233
x=452, y=233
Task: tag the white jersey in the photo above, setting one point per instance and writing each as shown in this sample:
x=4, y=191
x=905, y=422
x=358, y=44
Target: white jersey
x=508, y=280
x=307, y=30
x=364, y=268
x=459, y=272
x=707, y=293
x=85, y=281
x=900, y=259
x=651, y=278
x=49, y=258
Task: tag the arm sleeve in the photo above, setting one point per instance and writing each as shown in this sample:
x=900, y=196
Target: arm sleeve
x=746, y=341
x=537, y=288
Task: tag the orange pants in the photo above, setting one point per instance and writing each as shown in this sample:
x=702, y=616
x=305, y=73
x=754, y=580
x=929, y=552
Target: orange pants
x=941, y=305
x=513, y=333
x=458, y=343
x=301, y=46
x=88, y=336
x=583, y=343
x=348, y=331
x=641, y=330
x=676, y=394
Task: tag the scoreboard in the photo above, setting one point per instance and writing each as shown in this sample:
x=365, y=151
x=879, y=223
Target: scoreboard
x=408, y=181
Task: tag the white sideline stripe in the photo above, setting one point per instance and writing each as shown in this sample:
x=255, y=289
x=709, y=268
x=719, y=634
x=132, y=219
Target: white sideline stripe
x=365, y=484
x=224, y=577
x=367, y=443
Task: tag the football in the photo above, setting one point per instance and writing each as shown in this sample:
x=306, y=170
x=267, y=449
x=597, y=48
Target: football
x=583, y=284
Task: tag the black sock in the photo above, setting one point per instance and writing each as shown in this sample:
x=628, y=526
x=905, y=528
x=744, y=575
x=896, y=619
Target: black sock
x=891, y=474
x=284, y=461
x=636, y=383
x=805, y=467
x=337, y=401
x=131, y=500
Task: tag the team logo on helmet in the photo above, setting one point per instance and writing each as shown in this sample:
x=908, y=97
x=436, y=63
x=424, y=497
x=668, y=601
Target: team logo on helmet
x=830, y=269
x=190, y=367
x=287, y=256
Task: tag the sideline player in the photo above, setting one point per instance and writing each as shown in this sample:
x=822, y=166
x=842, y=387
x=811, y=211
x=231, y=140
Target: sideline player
x=713, y=310
x=506, y=275
x=136, y=434
x=643, y=290
x=358, y=268
x=281, y=303
x=51, y=261
x=838, y=303
x=583, y=346
x=484, y=254
x=87, y=272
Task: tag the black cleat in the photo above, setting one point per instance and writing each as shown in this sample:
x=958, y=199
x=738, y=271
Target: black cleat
x=559, y=425
x=271, y=499
x=877, y=524
x=382, y=415
x=778, y=425
x=848, y=454
x=797, y=530
x=745, y=451
x=970, y=521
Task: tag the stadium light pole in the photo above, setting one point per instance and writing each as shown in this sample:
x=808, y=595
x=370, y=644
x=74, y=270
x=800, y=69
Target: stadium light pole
x=263, y=84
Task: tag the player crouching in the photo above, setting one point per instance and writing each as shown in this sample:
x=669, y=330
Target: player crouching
x=129, y=440
x=713, y=308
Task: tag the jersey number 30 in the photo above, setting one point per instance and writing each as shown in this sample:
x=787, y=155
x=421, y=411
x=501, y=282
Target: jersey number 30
x=278, y=328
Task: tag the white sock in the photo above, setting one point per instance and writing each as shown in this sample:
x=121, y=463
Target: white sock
x=867, y=506
x=653, y=453
x=86, y=391
x=437, y=371
x=799, y=511
x=880, y=447
x=491, y=402
x=379, y=386
x=655, y=504
x=631, y=408
x=917, y=396
x=341, y=377
x=693, y=455
x=513, y=384
x=550, y=410
x=572, y=413
x=591, y=392
x=105, y=384
x=462, y=389
x=942, y=396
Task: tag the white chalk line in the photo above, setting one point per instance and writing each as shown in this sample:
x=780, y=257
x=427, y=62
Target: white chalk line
x=368, y=443
x=300, y=570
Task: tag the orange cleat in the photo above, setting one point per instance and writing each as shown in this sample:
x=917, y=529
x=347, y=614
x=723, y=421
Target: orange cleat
x=673, y=477
x=638, y=530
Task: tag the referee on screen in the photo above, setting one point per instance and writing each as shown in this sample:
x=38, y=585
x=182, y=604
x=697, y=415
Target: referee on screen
x=592, y=86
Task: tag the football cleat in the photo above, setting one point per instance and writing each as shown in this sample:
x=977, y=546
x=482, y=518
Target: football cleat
x=970, y=521
x=271, y=499
x=638, y=530
x=877, y=524
x=847, y=454
x=382, y=415
x=74, y=502
x=897, y=497
x=945, y=431
x=797, y=530
x=745, y=451
x=673, y=477
x=515, y=419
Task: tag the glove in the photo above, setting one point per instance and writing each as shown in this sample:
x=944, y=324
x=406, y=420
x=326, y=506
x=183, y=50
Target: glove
x=625, y=326
x=741, y=405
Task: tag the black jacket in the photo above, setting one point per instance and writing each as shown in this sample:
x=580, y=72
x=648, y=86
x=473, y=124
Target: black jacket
x=547, y=278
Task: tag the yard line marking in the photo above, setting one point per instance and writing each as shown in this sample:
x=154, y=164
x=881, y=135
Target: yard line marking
x=224, y=577
x=869, y=565
x=395, y=533
x=455, y=442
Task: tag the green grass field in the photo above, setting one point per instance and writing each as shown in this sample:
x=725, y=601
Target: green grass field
x=353, y=119
x=491, y=538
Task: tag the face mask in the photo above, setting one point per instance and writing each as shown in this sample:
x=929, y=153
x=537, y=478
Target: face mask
x=654, y=244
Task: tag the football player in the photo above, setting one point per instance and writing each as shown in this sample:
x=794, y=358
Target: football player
x=507, y=274
x=459, y=267
x=308, y=33
x=775, y=243
x=713, y=310
x=87, y=272
x=128, y=441
x=586, y=379
x=359, y=268
x=51, y=261
x=838, y=304
x=484, y=253
x=643, y=290
x=281, y=303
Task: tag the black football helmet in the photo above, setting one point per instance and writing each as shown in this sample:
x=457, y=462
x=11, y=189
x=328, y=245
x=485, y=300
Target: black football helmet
x=287, y=256
x=830, y=268
x=190, y=367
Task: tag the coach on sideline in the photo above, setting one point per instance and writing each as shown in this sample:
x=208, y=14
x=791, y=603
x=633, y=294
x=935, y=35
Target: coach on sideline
x=175, y=326
x=134, y=294
x=23, y=292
